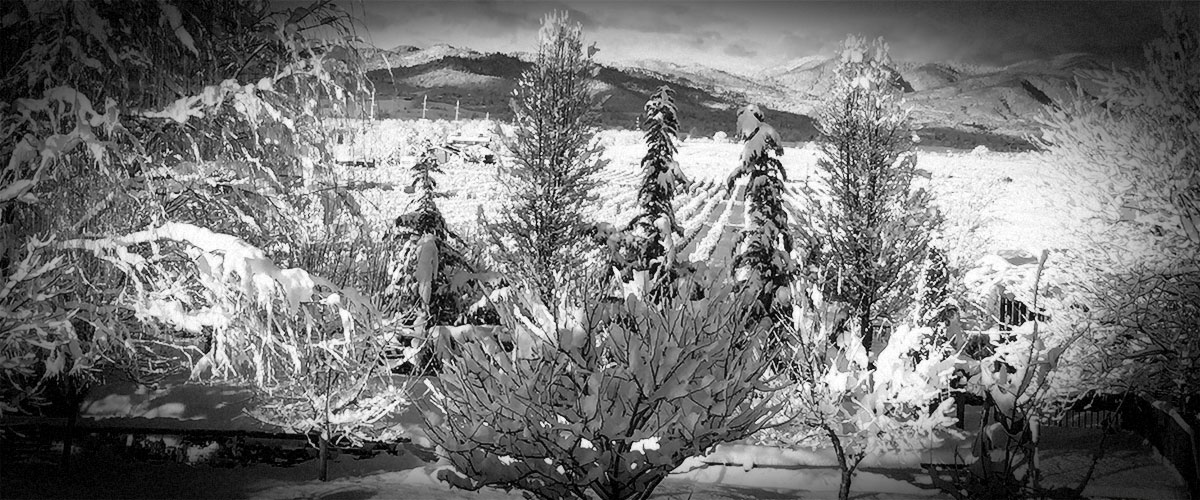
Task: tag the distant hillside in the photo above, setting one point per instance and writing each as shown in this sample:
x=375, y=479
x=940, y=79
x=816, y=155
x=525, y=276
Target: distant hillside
x=482, y=85
x=408, y=55
x=953, y=105
x=1005, y=101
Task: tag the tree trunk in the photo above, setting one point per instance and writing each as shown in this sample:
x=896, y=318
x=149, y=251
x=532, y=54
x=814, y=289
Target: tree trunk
x=868, y=335
x=68, y=440
x=844, y=487
x=960, y=409
x=323, y=475
x=843, y=464
x=72, y=415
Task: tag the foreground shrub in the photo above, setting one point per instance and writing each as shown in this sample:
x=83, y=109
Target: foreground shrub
x=607, y=405
x=861, y=404
x=310, y=347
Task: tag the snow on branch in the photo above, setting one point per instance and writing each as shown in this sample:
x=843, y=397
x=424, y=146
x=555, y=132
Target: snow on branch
x=230, y=272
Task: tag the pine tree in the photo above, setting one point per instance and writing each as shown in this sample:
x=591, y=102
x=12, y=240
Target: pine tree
x=875, y=229
x=936, y=308
x=652, y=231
x=764, y=246
x=542, y=231
x=432, y=261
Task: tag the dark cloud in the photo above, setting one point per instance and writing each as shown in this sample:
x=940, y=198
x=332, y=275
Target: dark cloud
x=703, y=38
x=648, y=17
x=987, y=32
x=810, y=42
x=503, y=14
x=737, y=50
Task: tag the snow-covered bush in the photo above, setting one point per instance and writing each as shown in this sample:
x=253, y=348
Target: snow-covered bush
x=40, y=343
x=607, y=404
x=870, y=238
x=312, y=348
x=129, y=136
x=1126, y=157
x=1026, y=382
x=890, y=402
x=542, y=230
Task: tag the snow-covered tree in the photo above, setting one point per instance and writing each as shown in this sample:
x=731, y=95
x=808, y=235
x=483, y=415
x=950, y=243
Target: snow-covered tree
x=136, y=142
x=542, y=231
x=650, y=241
x=309, y=346
x=874, y=231
x=936, y=306
x=865, y=248
x=434, y=269
x=1126, y=153
x=608, y=403
x=887, y=404
x=764, y=247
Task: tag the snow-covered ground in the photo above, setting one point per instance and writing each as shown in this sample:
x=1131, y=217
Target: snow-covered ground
x=992, y=201
x=1129, y=467
x=406, y=476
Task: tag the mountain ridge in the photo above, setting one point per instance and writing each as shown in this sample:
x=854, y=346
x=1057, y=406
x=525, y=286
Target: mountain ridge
x=952, y=104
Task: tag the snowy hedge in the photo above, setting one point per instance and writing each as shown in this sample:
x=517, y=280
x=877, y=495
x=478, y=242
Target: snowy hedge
x=609, y=403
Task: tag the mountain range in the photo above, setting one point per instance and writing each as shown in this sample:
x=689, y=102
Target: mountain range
x=957, y=106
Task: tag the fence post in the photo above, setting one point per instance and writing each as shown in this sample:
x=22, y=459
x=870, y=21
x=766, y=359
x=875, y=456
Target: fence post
x=960, y=410
x=1191, y=469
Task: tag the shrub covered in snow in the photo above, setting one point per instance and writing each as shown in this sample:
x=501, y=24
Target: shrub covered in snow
x=40, y=344
x=154, y=136
x=1127, y=161
x=310, y=347
x=607, y=404
x=859, y=403
x=1026, y=383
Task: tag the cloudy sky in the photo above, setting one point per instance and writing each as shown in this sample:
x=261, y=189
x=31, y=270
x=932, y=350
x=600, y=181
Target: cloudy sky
x=746, y=35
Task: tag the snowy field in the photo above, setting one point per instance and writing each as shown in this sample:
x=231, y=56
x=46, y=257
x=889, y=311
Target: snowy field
x=992, y=201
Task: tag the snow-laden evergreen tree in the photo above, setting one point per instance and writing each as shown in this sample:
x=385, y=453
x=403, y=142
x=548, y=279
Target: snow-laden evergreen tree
x=434, y=282
x=875, y=229
x=435, y=272
x=936, y=307
x=542, y=231
x=764, y=246
x=651, y=253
